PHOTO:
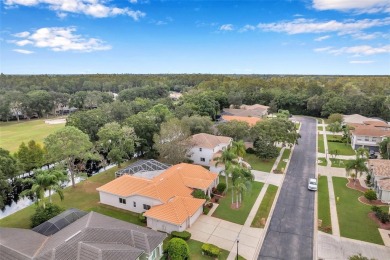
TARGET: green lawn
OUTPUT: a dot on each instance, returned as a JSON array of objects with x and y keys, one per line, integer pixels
[
  {"x": 84, "y": 196},
  {"x": 321, "y": 148},
  {"x": 285, "y": 156},
  {"x": 12, "y": 134},
  {"x": 323, "y": 205},
  {"x": 320, "y": 128},
  {"x": 258, "y": 164},
  {"x": 353, "y": 215},
  {"x": 239, "y": 216},
  {"x": 338, "y": 163},
  {"x": 342, "y": 148},
  {"x": 322, "y": 161},
  {"x": 265, "y": 206}
]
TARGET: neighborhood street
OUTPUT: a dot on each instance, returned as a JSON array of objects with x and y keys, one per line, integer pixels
[{"x": 290, "y": 233}]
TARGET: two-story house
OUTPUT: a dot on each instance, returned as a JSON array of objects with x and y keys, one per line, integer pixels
[
  {"x": 206, "y": 147},
  {"x": 369, "y": 134},
  {"x": 379, "y": 170}
]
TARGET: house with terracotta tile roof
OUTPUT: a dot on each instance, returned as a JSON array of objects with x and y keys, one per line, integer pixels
[
  {"x": 205, "y": 147},
  {"x": 250, "y": 120},
  {"x": 379, "y": 170},
  {"x": 369, "y": 134},
  {"x": 160, "y": 196}
]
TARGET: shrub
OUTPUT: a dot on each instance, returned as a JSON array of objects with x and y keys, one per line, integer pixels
[
  {"x": 382, "y": 216},
  {"x": 221, "y": 187},
  {"x": 370, "y": 195},
  {"x": 142, "y": 218},
  {"x": 359, "y": 257},
  {"x": 178, "y": 249},
  {"x": 206, "y": 210},
  {"x": 199, "y": 194},
  {"x": 42, "y": 214},
  {"x": 250, "y": 150},
  {"x": 183, "y": 235},
  {"x": 375, "y": 208},
  {"x": 368, "y": 178},
  {"x": 211, "y": 250}
]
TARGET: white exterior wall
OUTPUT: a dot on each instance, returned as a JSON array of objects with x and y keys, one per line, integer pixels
[
  {"x": 206, "y": 153},
  {"x": 365, "y": 140},
  {"x": 385, "y": 196},
  {"x": 216, "y": 169},
  {"x": 196, "y": 216},
  {"x": 113, "y": 200},
  {"x": 156, "y": 224}
]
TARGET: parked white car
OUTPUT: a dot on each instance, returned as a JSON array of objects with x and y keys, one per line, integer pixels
[{"x": 312, "y": 184}]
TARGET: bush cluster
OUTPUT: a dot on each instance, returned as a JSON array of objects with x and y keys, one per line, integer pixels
[
  {"x": 142, "y": 218},
  {"x": 183, "y": 235},
  {"x": 211, "y": 250},
  {"x": 384, "y": 217},
  {"x": 43, "y": 214},
  {"x": 370, "y": 195},
  {"x": 178, "y": 249},
  {"x": 221, "y": 187}
]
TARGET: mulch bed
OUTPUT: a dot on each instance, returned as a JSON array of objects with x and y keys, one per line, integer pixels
[
  {"x": 355, "y": 185},
  {"x": 363, "y": 200},
  {"x": 372, "y": 216}
]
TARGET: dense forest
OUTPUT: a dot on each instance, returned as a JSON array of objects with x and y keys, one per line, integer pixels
[{"x": 307, "y": 95}]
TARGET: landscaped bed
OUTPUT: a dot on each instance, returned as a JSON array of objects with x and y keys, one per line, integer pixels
[
  {"x": 239, "y": 216},
  {"x": 84, "y": 197},
  {"x": 265, "y": 207},
  {"x": 323, "y": 205},
  {"x": 259, "y": 164},
  {"x": 354, "y": 220}
]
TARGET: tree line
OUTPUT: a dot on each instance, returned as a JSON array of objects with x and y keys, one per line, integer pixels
[{"x": 307, "y": 95}]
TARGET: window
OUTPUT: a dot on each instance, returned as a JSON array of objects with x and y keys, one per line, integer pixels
[
  {"x": 202, "y": 159},
  {"x": 200, "y": 149},
  {"x": 366, "y": 138},
  {"x": 146, "y": 207},
  {"x": 122, "y": 201},
  {"x": 134, "y": 204}
]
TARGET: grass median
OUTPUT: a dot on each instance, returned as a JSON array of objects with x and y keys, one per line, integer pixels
[
  {"x": 323, "y": 205},
  {"x": 265, "y": 207}
]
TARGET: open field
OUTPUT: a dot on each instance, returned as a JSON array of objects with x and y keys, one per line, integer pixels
[
  {"x": 259, "y": 164},
  {"x": 265, "y": 206},
  {"x": 84, "y": 196},
  {"x": 12, "y": 134},
  {"x": 323, "y": 205},
  {"x": 342, "y": 148},
  {"x": 239, "y": 216},
  {"x": 353, "y": 215}
]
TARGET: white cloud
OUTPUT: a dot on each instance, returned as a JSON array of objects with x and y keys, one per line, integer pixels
[
  {"x": 302, "y": 25},
  {"x": 21, "y": 34},
  {"x": 95, "y": 8},
  {"x": 226, "y": 27},
  {"x": 356, "y": 50},
  {"x": 23, "y": 51},
  {"x": 320, "y": 39},
  {"x": 133, "y": 1},
  {"x": 61, "y": 39},
  {"x": 360, "y": 6},
  {"x": 361, "y": 61},
  {"x": 247, "y": 27}
]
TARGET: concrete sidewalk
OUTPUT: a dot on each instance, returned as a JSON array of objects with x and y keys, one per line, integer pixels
[
  {"x": 342, "y": 157},
  {"x": 333, "y": 210},
  {"x": 339, "y": 248}
]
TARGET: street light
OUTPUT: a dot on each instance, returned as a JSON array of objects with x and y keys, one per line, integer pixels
[{"x": 238, "y": 240}]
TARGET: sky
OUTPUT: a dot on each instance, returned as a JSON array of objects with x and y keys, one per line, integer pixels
[{"x": 327, "y": 37}]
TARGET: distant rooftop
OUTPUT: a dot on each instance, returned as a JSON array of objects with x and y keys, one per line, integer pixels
[{"x": 144, "y": 168}]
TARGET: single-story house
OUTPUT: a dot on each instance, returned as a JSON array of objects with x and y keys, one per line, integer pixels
[
  {"x": 379, "y": 169},
  {"x": 163, "y": 192},
  {"x": 93, "y": 236},
  {"x": 256, "y": 110},
  {"x": 250, "y": 120},
  {"x": 205, "y": 146},
  {"x": 369, "y": 134},
  {"x": 358, "y": 119}
]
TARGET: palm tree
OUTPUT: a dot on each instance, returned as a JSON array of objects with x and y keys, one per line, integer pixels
[
  {"x": 238, "y": 148},
  {"x": 356, "y": 167},
  {"x": 242, "y": 179},
  {"x": 362, "y": 152},
  {"x": 45, "y": 181},
  {"x": 228, "y": 158}
]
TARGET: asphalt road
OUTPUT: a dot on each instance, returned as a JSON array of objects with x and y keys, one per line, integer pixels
[{"x": 290, "y": 233}]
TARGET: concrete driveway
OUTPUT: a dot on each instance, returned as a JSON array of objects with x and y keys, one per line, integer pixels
[
  {"x": 224, "y": 235},
  {"x": 266, "y": 177}
]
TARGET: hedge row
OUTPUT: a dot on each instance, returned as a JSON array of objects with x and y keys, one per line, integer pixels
[
  {"x": 211, "y": 250},
  {"x": 183, "y": 235}
]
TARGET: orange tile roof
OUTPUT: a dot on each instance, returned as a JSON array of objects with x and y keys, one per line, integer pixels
[
  {"x": 369, "y": 130},
  {"x": 176, "y": 210},
  {"x": 379, "y": 167},
  {"x": 175, "y": 181},
  {"x": 209, "y": 141},
  {"x": 377, "y": 123},
  {"x": 250, "y": 120}
]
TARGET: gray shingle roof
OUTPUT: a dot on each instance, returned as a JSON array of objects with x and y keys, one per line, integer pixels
[{"x": 106, "y": 233}]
